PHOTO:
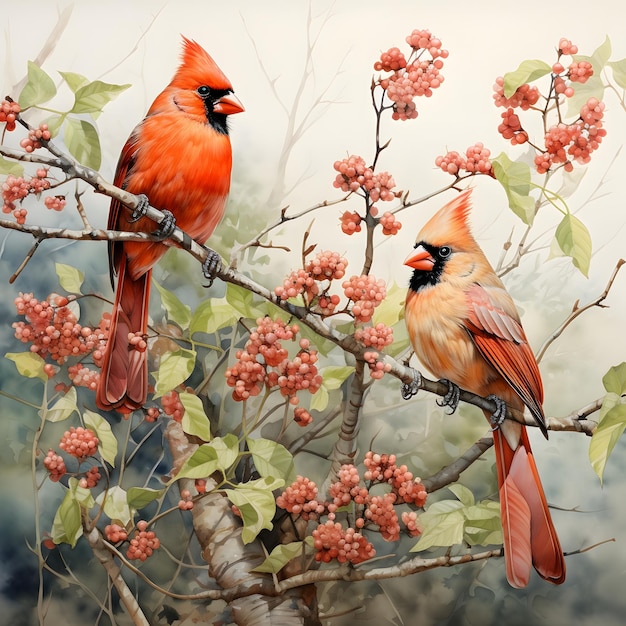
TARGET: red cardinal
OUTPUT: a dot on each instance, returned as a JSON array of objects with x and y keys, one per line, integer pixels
[
  {"x": 464, "y": 328},
  {"x": 180, "y": 157}
]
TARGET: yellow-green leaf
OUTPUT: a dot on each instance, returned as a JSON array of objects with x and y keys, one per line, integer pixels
[
  {"x": 619, "y": 72},
  {"x": 74, "y": 81},
  {"x": 465, "y": 496},
  {"x": 63, "y": 407},
  {"x": 201, "y": 464},
  {"x": 177, "y": 312},
  {"x": 81, "y": 139},
  {"x": 615, "y": 379},
  {"x": 608, "y": 432},
  {"x": 70, "y": 278},
  {"x": 391, "y": 308},
  {"x": 195, "y": 421},
  {"x": 280, "y": 556},
  {"x": 514, "y": 176},
  {"x": 526, "y": 72},
  {"x": 272, "y": 459},
  {"x": 92, "y": 97},
  {"x": 108, "y": 443},
  {"x": 575, "y": 241},
  {"x": 38, "y": 89},
  {"x": 67, "y": 526},
  {"x": 138, "y": 497},
  {"x": 174, "y": 369},
  {"x": 115, "y": 504},
  {"x": 211, "y": 315},
  {"x": 28, "y": 364},
  {"x": 256, "y": 504},
  {"x": 10, "y": 167}
]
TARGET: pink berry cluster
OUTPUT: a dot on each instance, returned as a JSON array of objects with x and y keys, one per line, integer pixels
[
  {"x": 354, "y": 175},
  {"x": 264, "y": 361},
  {"x": 301, "y": 499},
  {"x": 565, "y": 143},
  {"x": 16, "y": 188},
  {"x": 79, "y": 442},
  {"x": 416, "y": 76},
  {"x": 185, "y": 503},
  {"x": 474, "y": 161},
  {"x": 8, "y": 114},
  {"x": 115, "y": 533},
  {"x": 377, "y": 367},
  {"x": 383, "y": 468},
  {"x": 172, "y": 405},
  {"x": 390, "y": 224},
  {"x": 35, "y": 137},
  {"x": 314, "y": 281},
  {"x": 53, "y": 331},
  {"x": 55, "y": 465},
  {"x": 332, "y": 541},
  {"x": 378, "y": 336},
  {"x": 366, "y": 293},
  {"x": 91, "y": 478},
  {"x": 143, "y": 544}
]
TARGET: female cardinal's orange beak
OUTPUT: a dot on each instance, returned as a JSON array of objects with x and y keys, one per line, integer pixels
[
  {"x": 228, "y": 105},
  {"x": 421, "y": 260}
]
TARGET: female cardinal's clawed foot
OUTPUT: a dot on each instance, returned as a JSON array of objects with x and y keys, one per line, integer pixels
[
  {"x": 408, "y": 390},
  {"x": 211, "y": 265},
  {"x": 451, "y": 398},
  {"x": 497, "y": 417}
]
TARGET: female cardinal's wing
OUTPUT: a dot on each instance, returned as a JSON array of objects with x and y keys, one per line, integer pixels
[{"x": 493, "y": 324}]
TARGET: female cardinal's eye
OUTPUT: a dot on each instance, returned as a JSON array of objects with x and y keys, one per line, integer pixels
[
  {"x": 203, "y": 90},
  {"x": 445, "y": 252}
]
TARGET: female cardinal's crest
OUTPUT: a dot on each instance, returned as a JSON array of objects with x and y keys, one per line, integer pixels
[
  {"x": 198, "y": 66},
  {"x": 450, "y": 224}
]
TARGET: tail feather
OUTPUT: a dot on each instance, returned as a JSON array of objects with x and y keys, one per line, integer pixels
[
  {"x": 527, "y": 528},
  {"x": 124, "y": 376}
]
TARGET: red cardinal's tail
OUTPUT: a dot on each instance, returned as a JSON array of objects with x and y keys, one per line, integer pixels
[
  {"x": 124, "y": 378},
  {"x": 527, "y": 528}
]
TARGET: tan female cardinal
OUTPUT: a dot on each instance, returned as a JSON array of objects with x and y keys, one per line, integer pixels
[
  {"x": 464, "y": 328},
  {"x": 180, "y": 157}
]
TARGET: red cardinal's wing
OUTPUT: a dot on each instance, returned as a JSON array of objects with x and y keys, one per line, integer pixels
[{"x": 496, "y": 331}]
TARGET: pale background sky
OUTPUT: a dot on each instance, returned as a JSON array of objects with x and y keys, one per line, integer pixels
[{"x": 139, "y": 42}]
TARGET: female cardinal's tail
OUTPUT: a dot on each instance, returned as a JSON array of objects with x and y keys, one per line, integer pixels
[
  {"x": 529, "y": 535},
  {"x": 124, "y": 378}
]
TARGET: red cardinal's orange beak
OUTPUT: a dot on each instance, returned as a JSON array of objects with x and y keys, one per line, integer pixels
[
  {"x": 228, "y": 105},
  {"x": 421, "y": 259}
]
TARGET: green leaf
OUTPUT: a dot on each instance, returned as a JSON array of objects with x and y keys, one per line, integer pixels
[
  {"x": 465, "y": 496},
  {"x": 272, "y": 459},
  {"x": 256, "y": 504},
  {"x": 12, "y": 168},
  {"x": 280, "y": 556},
  {"x": 81, "y": 139},
  {"x": 526, "y": 72},
  {"x": 115, "y": 504},
  {"x": 599, "y": 58},
  {"x": 28, "y": 364},
  {"x": 74, "y": 81},
  {"x": 391, "y": 309},
  {"x": 54, "y": 123},
  {"x": 608, "y": 432},
  {"x": 174, "y": 369},
  {"x": 575, "y": 241},
  {"x": 211, "y": 315},
  {"x": 242, "y": 301},
  {"x": 619, "y": 72},
  {"x": 227, "y": 448},
  {"x": 593, "y": 88},
  {"x": 483, "y": 525},
  {"x": 67, "y": 526},
  {"x": 615, "y": 379},
  {"x": 70, "y": 278},
  {"x": 102, "y": 428},
  {"x": 177, "y": 312},
  {"x": 38, "y": 89},
  {"x": 319, "y": 400},
  {"x": 202, "y": 463},
  {"x": 441, "y": 529},
  {"x": 92, "y": 97},
  {"x": 138, "y": 497},
  {"x": 63, "y": 407},
  {"x": 514, "y": 176},
  {"x": 195, "y": 421},
  {"x": 332, "y": 378}
]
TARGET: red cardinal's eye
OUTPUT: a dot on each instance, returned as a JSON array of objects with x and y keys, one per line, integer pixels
[{"x": 203, "y": 90}]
